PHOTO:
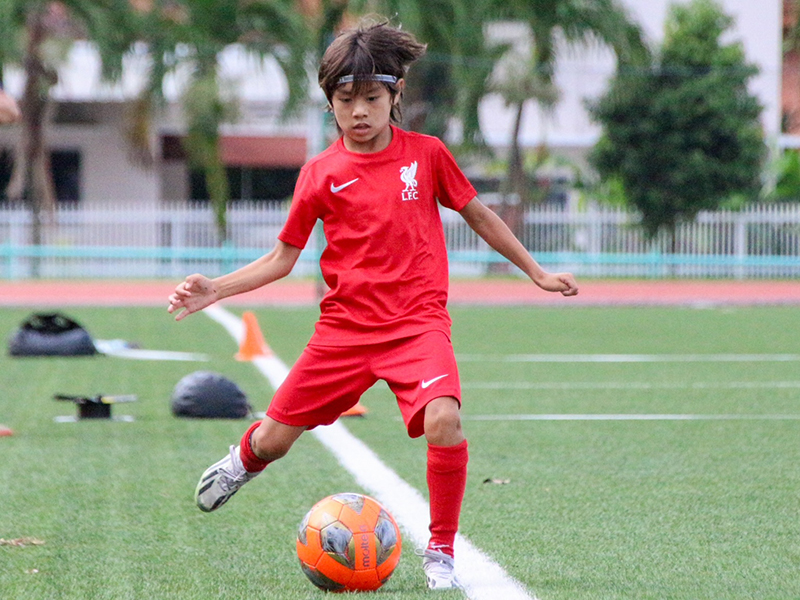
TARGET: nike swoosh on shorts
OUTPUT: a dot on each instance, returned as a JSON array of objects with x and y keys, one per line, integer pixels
[{"x": 426, "y": 384}]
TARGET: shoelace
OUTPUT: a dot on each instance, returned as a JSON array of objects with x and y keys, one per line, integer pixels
[
  {"x": 235, "y": 474},
  {"x": 438, "y": 565},
  {"x": 435, "y": 548}
]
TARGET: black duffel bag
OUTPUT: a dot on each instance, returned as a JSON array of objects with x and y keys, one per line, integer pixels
[
  {"x": 51, "y": 334},
  {"x": 208, "y": 395}
]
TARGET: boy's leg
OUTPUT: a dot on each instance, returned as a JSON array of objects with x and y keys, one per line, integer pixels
[
  {"x": 268, "y": 442},
  {"x": 263, "y": 443},
  {"x": 423, "y": 374},
  {"x": 447, "y": 470},
  {"x": 322, "y": 384},
  {"x": 448, "y": 456}
]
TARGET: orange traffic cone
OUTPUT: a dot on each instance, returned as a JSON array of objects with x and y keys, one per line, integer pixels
[
  {"x": 253, "y": 344},
  {"x": 359, "y": 410}
]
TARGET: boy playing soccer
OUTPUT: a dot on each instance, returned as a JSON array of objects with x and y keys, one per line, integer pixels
[{"x": 376, "y": 190}]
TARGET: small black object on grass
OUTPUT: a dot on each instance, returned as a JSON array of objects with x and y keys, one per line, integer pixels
[{"x": 94, "y": 407}]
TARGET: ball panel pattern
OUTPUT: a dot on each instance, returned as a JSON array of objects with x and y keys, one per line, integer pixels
[{"x": 348, "y": 542}]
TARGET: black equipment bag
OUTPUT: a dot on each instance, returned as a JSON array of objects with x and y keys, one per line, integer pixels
[
  {"x": 51, "y": 334},
  {"x": 208, "y": 395}
]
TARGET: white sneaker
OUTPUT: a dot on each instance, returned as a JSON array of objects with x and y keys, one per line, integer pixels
[
  {"x": 440, "y": 571},
  {"x": 221, "y": 481}
]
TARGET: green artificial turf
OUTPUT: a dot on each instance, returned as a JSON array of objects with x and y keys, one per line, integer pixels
[{"x": 585, "y": 509}]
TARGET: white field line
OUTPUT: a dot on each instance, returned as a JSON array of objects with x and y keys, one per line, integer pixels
[
  {"x": 137, "y": 354},
  {"x": 120, "y": 349},
  {"x": 483, "y": 578},
  {"x": 627, "y": 358},
  {"x": 630, "y": 417},
  {"x": 629, "y": 385}
]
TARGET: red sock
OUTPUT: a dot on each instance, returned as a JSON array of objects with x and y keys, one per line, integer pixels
[
  {"x": 251, "y": 463},
  {"x": 447, "y": 480}
]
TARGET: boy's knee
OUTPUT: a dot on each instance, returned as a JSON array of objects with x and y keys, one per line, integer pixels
[{"x": 443, "y": 422}]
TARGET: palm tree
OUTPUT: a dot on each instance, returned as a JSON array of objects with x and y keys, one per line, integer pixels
[
  {"x": 327, "y": 20},
  {"x": 194, "y": 32},
  {"x": 522, "y": 81},
  {"x": 29, "y": 29},
  {"x": 456, "y": 73},
  {"x": 453, "y": 76},
  {"x": 550, "y": 23}
]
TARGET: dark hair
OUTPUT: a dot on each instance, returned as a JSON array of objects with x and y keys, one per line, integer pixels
[{"x": 372, "y": 48}]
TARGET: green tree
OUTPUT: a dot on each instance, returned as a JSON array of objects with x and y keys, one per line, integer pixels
[
  {"x": 785, "y": 178},
  {"x": 555, "y": 25},
  {"x": 522, "y": 82},
  {"x": 37, "y": 35},
  {"x": 457, "y": 72},
  {"x": 453, "y": 76},
  {"x": 193, "y": 33},
  {"x": 684, "y": 135}
]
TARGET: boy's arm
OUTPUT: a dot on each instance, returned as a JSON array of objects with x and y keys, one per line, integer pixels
[
  {"x": 496, "y": 233},
  {"x": 9, "y": 111},
  {"x": 197, "y": 291}
]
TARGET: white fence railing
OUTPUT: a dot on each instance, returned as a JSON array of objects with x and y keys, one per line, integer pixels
[{"x": 762, "y": 241}]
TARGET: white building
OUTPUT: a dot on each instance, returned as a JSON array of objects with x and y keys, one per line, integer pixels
[
  {"x": 91, "y": 157},
  {"x": 583, "y": 73}
]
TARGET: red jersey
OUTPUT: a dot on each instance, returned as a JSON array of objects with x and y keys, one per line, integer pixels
[{"x": 386, "y": 260}]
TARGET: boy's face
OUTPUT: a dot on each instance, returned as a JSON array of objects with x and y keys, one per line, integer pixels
[{"x": 364, "y": 118}]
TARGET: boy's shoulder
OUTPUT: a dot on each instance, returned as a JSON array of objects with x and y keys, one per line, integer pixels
[{"x": 418, "y": 138}]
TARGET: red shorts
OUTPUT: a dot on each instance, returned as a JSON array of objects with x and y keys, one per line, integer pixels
[{"x": 326, "y": 380}]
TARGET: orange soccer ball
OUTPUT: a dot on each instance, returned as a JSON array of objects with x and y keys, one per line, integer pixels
[{"x": 348, "y": 542}]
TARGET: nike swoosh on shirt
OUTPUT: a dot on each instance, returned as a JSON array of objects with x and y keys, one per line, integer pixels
[
  {"x": 338, "y": 188},
  {"x": 425, "y": 384}
]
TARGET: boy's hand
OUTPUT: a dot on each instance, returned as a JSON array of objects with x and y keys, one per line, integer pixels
[
  {"x": 195, "y": 293},
  {"x": 559, "y": 282}
]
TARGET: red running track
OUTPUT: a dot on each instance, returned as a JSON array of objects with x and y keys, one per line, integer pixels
[{"x": 488, "y": 291}]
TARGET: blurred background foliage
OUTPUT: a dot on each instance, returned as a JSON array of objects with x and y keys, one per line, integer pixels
[{"x": 465, "y": 62}]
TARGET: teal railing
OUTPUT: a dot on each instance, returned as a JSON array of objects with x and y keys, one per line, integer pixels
[{"x": 20, "y": 262}]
